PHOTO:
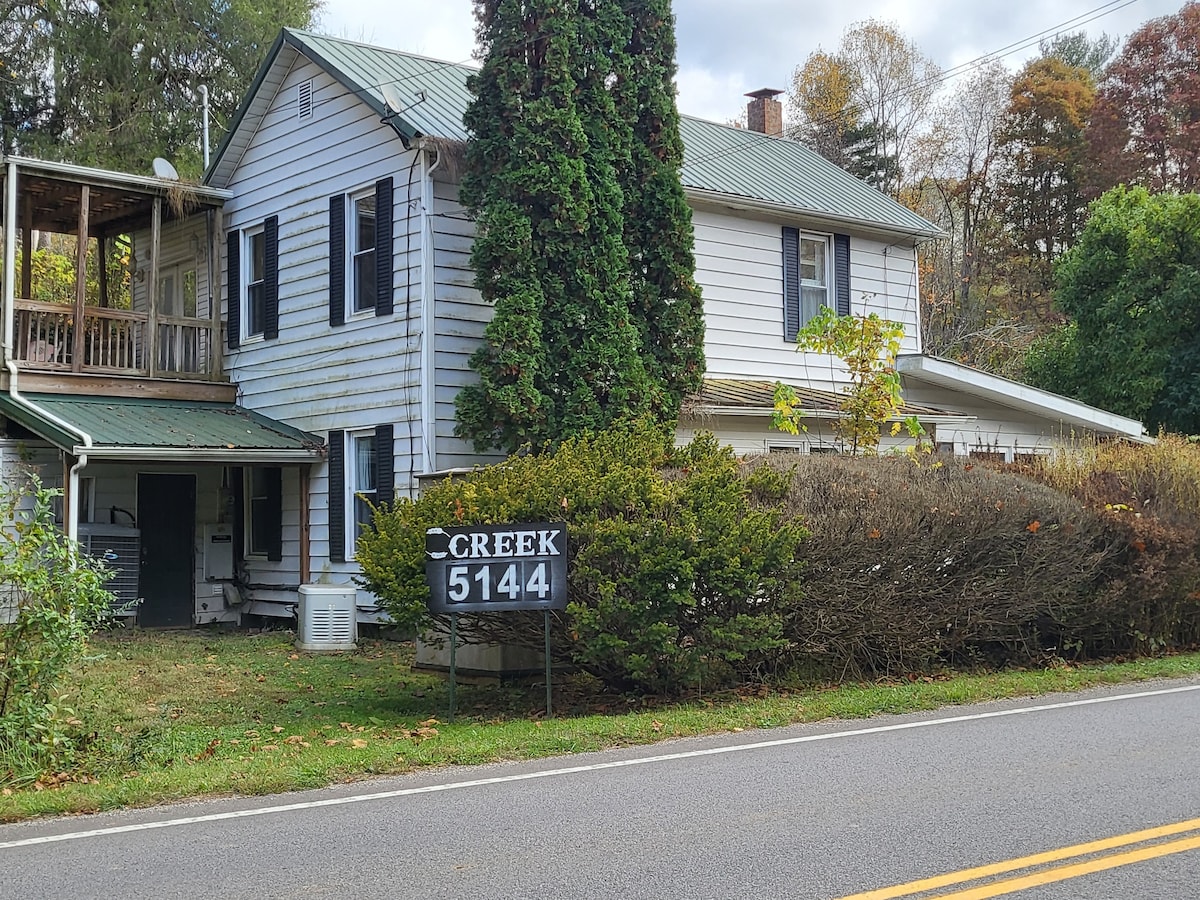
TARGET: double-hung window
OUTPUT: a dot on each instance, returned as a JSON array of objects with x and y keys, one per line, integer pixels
[
  {"x": 360, "y": 252},
  {"x": 364, "y": 481},
  {"x": 256, "y": 282},
  {"x": 816, "y": 273},
  {"x": 252, "y": 279},
  {"x": 814, "y": 276},
  {"x": 361, "y": 476}
]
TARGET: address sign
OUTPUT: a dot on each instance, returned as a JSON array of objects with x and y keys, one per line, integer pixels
[{"x": 492, "y": 568}]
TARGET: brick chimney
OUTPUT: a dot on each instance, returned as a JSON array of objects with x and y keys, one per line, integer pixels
[{"x": 765, "y": 113}]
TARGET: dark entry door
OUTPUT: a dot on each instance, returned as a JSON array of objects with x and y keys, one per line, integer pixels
[{"x": 166, "y": 513}]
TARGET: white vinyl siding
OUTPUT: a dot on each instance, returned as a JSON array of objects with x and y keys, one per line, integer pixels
[
  {"x": 315, "y": 377},
  {"x": 739, "y": 266}
]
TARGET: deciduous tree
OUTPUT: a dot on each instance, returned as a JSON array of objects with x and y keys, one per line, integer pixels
[
  {"x": 1044, "y": 161},
  {"x": 1131, "y": 286},
  {"x": 1145, "y": 129}
]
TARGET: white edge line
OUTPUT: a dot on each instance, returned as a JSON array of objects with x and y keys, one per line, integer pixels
[{"x": 572, "y": 770}]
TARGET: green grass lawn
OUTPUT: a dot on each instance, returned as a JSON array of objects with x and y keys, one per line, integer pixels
[{"x": 174, "y": 715}]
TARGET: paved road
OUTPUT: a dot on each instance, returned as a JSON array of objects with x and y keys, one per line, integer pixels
[{"x": 809, "y": 812}]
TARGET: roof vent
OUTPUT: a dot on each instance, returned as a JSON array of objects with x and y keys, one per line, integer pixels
[{"x": 304, "y": 100}]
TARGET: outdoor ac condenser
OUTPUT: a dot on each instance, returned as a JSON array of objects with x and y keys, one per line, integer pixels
[
  {"x": 119, "y": 548},
  {"x": 328, "y": 617}
]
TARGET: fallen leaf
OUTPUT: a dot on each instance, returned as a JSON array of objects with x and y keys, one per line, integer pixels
[
  {"x": 358, "y": 743},
  {"x": 873, "y": 534},
  {"x": 657, "y": 726},
  {"x": 277, "y": 728},
  {"x": 1033, "y": 526}
]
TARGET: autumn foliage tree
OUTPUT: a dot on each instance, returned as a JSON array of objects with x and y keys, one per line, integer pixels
[
  {"x": 1044, "y": 159},
  {"x": 1144, "y": 128}
]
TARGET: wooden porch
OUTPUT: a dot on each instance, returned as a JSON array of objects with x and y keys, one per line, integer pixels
[{"x": 131, "y": 313}]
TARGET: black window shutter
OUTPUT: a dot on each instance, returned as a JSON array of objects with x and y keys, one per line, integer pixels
[
  {"x": 337, "y": 496},
  {"x": 271, "y": 278},
  {"x": 385, "y": 466},
  {"x": 791, "y": 283},
  {"x": 383, "y": 246},
  {"x": 337, "y": 259},
  {"x": 274, "y": 511},
  {"x": 841, "y": 272},
  {"x": 237, "y": 487},
  {"x": 233, "y": 289}
]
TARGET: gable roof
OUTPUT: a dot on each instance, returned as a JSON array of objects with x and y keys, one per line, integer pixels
[{"x": 721, "y": 163}]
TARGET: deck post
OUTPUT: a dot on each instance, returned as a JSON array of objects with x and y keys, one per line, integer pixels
[
  {"x": 150, "y": 339},
  {"x": 81, "y": 248}
]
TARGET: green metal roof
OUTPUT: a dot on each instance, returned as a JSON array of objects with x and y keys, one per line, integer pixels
[
  {"x": 720, "y": 161},
  {"x": 150, "y": 429},
  {"x": 736, "y": 396}
]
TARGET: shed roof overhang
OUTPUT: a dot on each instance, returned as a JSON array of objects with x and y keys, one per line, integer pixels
[
  {"x": 737, "y": 397},
  {"x": 1018, "y": 396},
  {"x": 137, "y": 429},
  {"x": 49, "y": 196}
]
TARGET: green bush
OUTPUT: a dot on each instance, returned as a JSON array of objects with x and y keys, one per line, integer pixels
[
  {"x": 54, "y": 598},
  {"x": 681, "y": 570}
]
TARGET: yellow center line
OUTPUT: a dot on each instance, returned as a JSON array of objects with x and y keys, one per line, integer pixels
[
  {"x": 1062, "y": 873},
  {"x": 1024, "y": 862}
]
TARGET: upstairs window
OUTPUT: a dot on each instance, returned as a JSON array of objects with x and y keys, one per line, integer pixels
[
  {"x": 814, "y": 276},
  {"x": 252, "y": 279},
  {"x": 256, "y": 282},
  {"x": 816, "y": 273},
  {"x": 362, "y": 254}
]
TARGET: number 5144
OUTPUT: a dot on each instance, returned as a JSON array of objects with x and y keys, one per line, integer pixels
[{"x": 489, "y": 582}]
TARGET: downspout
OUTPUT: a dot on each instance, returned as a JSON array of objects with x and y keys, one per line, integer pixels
[
  {"x": 9, "y": 313},
  {"x": 428, "y": 313}
]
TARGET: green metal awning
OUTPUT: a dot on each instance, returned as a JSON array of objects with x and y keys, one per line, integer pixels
[{"x": 160, "y": 430}]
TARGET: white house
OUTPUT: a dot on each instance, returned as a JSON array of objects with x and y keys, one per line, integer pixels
[{"x": 349, "y": 310}]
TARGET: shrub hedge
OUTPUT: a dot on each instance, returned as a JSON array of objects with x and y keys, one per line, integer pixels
[
  {"x": 690, "y": 569},
  {"x": 682, "y": 571}
]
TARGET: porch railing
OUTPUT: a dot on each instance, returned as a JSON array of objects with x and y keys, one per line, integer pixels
[{"x": 114, "y": 341}]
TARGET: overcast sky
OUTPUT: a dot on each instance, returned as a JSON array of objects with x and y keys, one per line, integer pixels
[{"x": 729, "y": 47}]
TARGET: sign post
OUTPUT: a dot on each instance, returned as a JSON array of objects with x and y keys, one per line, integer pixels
[{"x": 496, "y": 568}]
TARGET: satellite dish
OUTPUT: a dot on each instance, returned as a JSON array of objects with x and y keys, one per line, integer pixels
[
  {"x": 163, "y": 169},
  {"x": 391, "y": 96}
]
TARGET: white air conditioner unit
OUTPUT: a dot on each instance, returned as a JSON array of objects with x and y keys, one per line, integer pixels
[
  {"x": 119, "y": 548},
  {"x": 328, "y": 617}
]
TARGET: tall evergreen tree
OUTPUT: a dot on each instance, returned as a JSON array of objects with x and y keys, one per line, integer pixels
[
  {"x": 667, "y": 305},
  {"x": 560, "y": 355}
]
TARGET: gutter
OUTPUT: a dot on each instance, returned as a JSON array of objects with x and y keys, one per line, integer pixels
[
  {"x": 428, "y": 312},
  {"x": 9, "y": 314},
  {"x": 204, "y": 454}
]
